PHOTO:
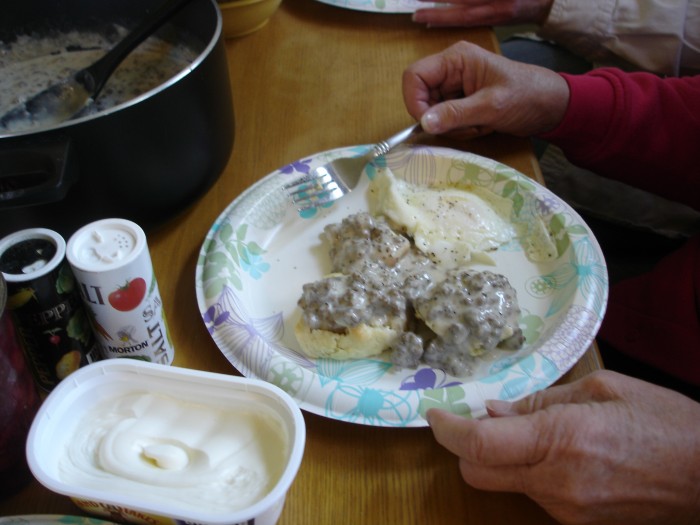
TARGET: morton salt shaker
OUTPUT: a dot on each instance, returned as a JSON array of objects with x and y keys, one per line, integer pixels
[
  {"x": 43, "y": 299},
  {"x": 111, "y": 262},
  {"x": 19, "y": 401}
]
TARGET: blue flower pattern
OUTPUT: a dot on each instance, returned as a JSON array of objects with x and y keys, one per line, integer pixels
[{"x": 517, "y": 377}]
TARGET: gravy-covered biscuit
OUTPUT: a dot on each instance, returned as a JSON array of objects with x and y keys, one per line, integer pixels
[{"x": 389, "y": 296}]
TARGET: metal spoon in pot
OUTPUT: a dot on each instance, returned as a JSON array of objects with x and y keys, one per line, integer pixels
[{"x": 62, "y": 100}]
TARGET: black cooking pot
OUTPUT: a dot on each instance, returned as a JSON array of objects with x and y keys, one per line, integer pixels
[{"x": 144, "y": 160}]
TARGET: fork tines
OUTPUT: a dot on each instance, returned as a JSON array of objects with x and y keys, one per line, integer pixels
[{"x": 314, "y": 189}]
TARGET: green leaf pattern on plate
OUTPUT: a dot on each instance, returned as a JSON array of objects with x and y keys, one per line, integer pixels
[
  {"x": 232, "y": 256},
  {"x": 451, "y": 399}
]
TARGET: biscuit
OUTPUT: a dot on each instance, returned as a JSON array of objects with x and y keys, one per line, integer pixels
[{"x": 356, "y": 342}]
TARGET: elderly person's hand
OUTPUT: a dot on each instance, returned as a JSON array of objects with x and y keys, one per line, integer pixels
[
  {"x": 608, "y": 449},
  {"x": 467, "y": 90},
  {"x": 472, "y": 13}
]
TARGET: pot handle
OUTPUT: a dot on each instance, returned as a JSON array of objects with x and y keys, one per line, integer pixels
[{"x": 34, "y": 172}]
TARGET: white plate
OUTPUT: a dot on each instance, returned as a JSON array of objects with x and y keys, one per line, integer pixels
[
  {"x": 52, "y": 519},
  {"x": 379, "y": 6},
  {"x": 260, "y": 251}
]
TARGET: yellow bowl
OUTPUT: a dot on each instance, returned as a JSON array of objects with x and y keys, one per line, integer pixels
[{"x": 241, "y": 17}]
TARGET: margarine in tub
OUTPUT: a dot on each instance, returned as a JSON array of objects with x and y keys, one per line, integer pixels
[{"x": 152, "y": 444}]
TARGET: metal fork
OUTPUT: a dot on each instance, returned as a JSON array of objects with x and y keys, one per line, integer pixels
[{"x": 339, "y": 177}]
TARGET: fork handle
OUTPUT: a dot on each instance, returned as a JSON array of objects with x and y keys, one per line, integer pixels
[{"x": 383, "y": 147}]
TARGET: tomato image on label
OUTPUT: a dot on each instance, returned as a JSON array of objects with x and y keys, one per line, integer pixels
[{"x": 129, "y": 296}]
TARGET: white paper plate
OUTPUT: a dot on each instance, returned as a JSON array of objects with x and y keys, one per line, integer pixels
[
  {"x": 378, "y": 6},
  {"x": 52, "y": 519},
  {"x": 260, "y": 251}
]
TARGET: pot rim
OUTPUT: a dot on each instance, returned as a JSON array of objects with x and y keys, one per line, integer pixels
[{"x": 143, "y": 96}]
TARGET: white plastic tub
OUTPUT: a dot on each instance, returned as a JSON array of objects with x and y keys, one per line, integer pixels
[{"x": 65, "y": 417}]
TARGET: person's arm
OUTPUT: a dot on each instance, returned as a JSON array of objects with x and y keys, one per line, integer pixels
[
  {"x": 661, "y": 36},
  {"x": 636, "y": 128}
]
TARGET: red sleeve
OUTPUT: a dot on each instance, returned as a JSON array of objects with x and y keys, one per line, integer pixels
[
  {"x": 645, "y": 131},
  {"x": 637, "y": 128},
  {"x": 655, "y": 317}
]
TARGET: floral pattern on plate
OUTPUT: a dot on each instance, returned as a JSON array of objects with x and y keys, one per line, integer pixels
[{"x": 261, "y": 250}]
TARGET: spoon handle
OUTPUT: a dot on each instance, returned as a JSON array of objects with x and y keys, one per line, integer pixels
[{"x": 95, "y": 76}]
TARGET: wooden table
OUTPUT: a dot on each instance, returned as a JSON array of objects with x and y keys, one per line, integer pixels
[{"x": 319, "y": 77}]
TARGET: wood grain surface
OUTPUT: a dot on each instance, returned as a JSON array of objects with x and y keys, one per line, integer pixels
[{"x": 318, "y": 77}]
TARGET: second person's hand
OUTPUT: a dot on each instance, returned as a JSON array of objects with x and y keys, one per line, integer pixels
[{"x": 473, "y": 13}]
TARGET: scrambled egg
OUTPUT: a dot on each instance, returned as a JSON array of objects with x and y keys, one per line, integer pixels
[{"x": 452, "y": 226}]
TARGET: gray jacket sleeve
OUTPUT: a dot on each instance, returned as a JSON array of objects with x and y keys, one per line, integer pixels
[{"x": 662, "y": 36}]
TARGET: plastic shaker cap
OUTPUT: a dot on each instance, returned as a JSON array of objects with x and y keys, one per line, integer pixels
[{"x": 106, "y": 244}]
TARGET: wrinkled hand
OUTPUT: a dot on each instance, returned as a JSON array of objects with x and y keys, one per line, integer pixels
[
  {"x": 466, "y": 90},
  {"x": 608, "y": 449},
  {"x": 473, "y": 13}
]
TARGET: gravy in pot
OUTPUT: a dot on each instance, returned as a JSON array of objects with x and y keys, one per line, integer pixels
[{"x": 31, "y": 64}]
